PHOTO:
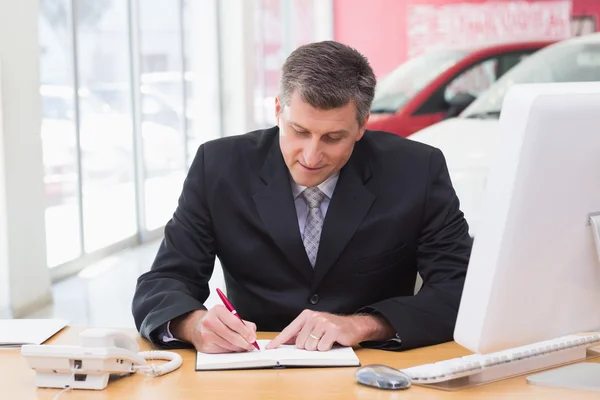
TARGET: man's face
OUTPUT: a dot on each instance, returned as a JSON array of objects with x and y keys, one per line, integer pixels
[{"x": 316, "y": 143}]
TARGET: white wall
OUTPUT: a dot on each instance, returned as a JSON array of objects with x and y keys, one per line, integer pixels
[{"x": 22, "y": 241}]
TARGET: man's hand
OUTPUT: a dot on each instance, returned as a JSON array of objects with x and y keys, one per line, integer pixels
[
  {"x": 215, "y": 331},
  {"x": 313, "y": 330}
]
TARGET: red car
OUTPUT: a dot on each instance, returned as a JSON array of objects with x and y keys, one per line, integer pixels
[{"x": 440, "y": 84}]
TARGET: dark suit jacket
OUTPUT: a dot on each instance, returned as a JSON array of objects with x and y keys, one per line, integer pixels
[{"x": 393, "y": 213}]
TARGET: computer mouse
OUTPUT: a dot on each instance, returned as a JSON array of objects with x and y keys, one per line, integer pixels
[{"x": 382, "y": 377}]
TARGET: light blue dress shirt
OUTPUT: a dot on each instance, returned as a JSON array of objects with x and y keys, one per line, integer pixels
[{"x": 326, "y": 187}]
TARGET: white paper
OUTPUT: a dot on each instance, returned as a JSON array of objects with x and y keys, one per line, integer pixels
[
  {"x": 284, "y": 355},
  {"x": 17, "y": 332}
]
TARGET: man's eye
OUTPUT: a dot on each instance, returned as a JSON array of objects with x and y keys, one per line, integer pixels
[
  {"x": 301, "y": 133},
  {"x": 333, "y": 139}
]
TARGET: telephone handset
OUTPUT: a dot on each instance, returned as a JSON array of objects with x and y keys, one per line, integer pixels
[{"x": 102, "y": 352}]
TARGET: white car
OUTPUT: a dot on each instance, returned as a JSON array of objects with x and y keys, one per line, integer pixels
[{"x": 468, "y": 141}]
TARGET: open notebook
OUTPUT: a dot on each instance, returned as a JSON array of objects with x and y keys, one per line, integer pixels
[
  {"x": 16, "y": 332},
  {"x": 284, "y": 356}
]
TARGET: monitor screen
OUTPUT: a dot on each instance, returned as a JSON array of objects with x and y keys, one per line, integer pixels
[{"x": 534, "y": 272}]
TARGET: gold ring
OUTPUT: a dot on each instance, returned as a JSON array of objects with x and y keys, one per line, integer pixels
[{"x": 314, "y": 337}]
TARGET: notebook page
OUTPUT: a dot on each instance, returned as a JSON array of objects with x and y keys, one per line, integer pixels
[
  {"x": 338, "y": 355},
  {"x": 250, "y": 359},
  {"x": 285, "y": 354},
  {"x": 17, "y": 332}
]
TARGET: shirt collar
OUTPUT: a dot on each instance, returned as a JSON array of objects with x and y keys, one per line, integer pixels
[{"x": 327, "y": 187}]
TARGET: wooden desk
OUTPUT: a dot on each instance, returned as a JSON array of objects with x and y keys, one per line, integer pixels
[{"x": 17, "y": 380}]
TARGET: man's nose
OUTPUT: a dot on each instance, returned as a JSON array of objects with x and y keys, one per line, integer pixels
[{"x": 312, "y": 153}]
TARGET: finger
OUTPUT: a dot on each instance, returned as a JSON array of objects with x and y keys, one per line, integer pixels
[
  {"x": 315, "y": 336},
  {"x": 235, "y": 324},
  {"x": 213, "y": 323},
  {"x": 288, "y": 333},
  {"x": 291, "y": 341},
  {"x": 327, "y": 340},
  {"x": 222, "y": 343},
  {"x": 233, "y": 337},
  {"x": 313, "y": 340},
  {"x": 304, "y": 338},
  {"x": 234, "y": 330},
  {"x": 213, "y": 343},
  {"x": 250, "y": 325}
]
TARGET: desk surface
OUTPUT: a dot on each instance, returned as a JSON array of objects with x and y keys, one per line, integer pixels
[{"x": 17, "y": 380}]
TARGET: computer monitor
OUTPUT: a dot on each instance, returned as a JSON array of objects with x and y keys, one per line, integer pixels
[{"x": 534, "y": 272}]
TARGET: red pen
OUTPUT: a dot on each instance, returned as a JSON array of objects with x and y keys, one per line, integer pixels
[{"x": 232, "y": 310}]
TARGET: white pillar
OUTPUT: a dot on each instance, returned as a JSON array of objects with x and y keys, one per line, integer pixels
[
  {"x": 204, "y": 63},
  {"x": 237, "y": 55},
  {"x": 323, "y": 19},
  {"x": 4, "y": 275},
  {"x": 24, "y": 276}
]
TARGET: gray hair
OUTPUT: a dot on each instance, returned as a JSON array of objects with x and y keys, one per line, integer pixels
[{"x": 328, "y": 75}]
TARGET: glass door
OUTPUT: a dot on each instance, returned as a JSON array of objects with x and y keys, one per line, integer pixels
[
  {"x": 59, "y": 133},
  {"x": 162, "y": 106},
  {"x": 105, "y": 122}
]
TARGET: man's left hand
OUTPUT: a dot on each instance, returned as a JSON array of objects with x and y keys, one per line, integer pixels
[{"x": 313, "y": 330}]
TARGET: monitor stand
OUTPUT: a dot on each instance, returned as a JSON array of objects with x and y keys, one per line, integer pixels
[
  {"x": 580, "y": 376},
  {"x": 566, "y": 377}
]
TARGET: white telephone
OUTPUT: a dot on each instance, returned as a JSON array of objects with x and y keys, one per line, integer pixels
[{"x": 102, "y": 352}]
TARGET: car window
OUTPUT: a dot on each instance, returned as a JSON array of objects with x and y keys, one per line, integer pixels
[
  {"x": 480, "y": 77},
  {"x": 400, "y": 86},
  {"x": 566, "y": 62},
  {"x": 474, "y": 80},
  {"x": 509, "y": 60}
]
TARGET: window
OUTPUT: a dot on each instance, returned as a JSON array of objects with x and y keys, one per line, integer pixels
[
  {"x": 202, "y": 96},
  {"x": 162, "y": 93},
  {"x": 154, "y": 62},
  {"x": 583, "y": 25},
  {"x": 577, "y": 61},
  {"x": 106, "y": 123},
  {"x": 58, "y": 131},
  {"x": 397, "y": 88},
  {"x": 474, "y": 80},
  {"x": 507, "y": 61},
  {"x": 269, "y": 36},
  {"x": 129, "y": 91}
]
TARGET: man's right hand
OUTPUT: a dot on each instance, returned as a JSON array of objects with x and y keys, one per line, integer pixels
[{"x": 215, "y": 331}]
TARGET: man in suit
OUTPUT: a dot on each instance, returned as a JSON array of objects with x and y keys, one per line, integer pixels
[{"x": 321, "y": 227}]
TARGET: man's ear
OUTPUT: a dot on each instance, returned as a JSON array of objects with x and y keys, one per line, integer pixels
[
  {"x": 362, "y": 129},
  {"x": 277, "y": 109}
]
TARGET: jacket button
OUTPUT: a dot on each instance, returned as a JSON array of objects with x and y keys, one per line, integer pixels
[{"x": 314, "y": 299}]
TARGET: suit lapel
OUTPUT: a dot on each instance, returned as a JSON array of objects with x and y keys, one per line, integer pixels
[
  {"x": 275, "y": 204},
  {"x": 349, "y": 205}
]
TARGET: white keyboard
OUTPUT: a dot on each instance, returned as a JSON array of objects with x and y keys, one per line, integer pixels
[{"x": 506, "y": 363}]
